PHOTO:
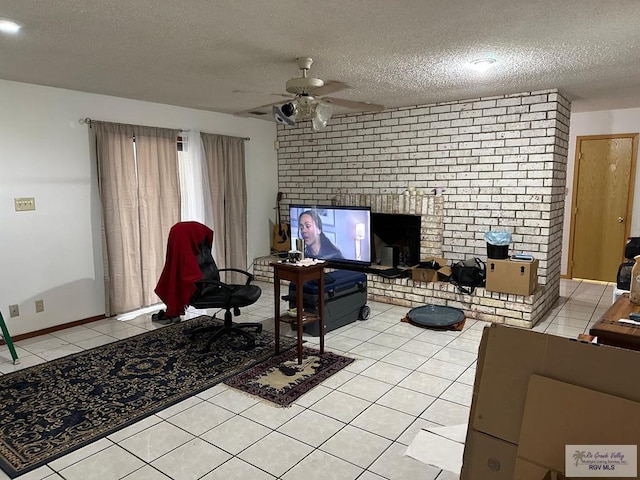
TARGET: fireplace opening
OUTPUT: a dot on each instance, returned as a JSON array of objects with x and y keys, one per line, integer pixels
[{"x": 395, "y": 239}]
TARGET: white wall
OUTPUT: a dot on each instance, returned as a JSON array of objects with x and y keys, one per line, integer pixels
[
  {"x": 598, "y": 123},
  {"x": 54, "y": 253}
]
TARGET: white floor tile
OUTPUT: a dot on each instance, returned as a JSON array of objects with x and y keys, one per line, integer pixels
[
  {"x": 356, "y": 446},
  {"x": 237, "y": 469},
  {"x": 425, "y": 383},
  {"x": 233, "y": 400},
  {"x": 340, "y": 406},
  {"x": 444, "y": 412},
  {"x": 322, "y": 466},
  {"x": 383, "y": 421},
  {"x": 109, "y": 464},
  {"x": 366, "y": 388},
  {"x": 410, "y": 433},
  {"x": 386, "y": 372},
  {"x": 191, "y": 460},
  {"x": 156, "y": 441},
  {"x": 405, "y": 359},
  {"x": 270, "y": 415},
  {"x": 441, "y": 368},
  {"x": 406, "y": 400},
  {"x": 200, "y": 418},
  {"x": 236, "y": 434},
  {"x": 145, "y": 473},
  {"x": 458, "y": 393},
  {"x": 457, "y": 357},
  {"x": 395, "y": 465},
  {"x": 276, "y": 453},
  {"x": 311, "y": 427}
]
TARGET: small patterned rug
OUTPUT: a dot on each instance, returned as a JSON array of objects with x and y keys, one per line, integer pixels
[
  {"x": 50, "y": 410},
  {"x": 282, "y": 381}
]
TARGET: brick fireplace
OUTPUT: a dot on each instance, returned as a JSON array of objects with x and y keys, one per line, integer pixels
[{"x": 500, "y": 161}]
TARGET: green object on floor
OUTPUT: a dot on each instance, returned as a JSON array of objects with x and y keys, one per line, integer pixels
[{"x": 7, "y": 339}]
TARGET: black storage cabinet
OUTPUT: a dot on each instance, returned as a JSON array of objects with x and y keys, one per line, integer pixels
[{"x": 345, "y": 300}]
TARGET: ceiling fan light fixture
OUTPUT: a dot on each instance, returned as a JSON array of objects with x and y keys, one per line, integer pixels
[
  {"x": 9, "y": 26},
  {"x": 482, "y": 64},
  {"x": 322, "y": 114}
]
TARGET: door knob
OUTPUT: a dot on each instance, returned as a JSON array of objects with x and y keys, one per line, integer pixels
[{"x": 620, "y": 219}]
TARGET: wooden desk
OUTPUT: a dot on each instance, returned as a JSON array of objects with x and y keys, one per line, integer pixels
[
  {"x": 298, "y": 275},
  {"x": 610, "y": 332}
]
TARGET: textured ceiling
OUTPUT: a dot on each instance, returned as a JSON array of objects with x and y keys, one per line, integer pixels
[{"x": 233, "y": 55}]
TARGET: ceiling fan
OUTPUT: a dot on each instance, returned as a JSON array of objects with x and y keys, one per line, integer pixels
[{"x": 308, "y": 100}]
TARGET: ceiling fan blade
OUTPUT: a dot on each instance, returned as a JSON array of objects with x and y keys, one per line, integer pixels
[
  {"x": 260, "y": 111},
  {"x": 330, "y": 86},
  {"x": 362, "y": 106}
]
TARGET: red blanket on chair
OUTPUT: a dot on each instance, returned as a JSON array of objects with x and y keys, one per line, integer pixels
[{"x": 181, "y": 269}]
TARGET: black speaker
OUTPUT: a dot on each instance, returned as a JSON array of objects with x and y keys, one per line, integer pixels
[{"x": 390, "y": 256}]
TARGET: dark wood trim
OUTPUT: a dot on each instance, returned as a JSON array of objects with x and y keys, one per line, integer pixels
[{"x": 63, "y": 326}]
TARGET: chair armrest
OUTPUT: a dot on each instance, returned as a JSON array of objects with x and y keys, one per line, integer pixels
[
  {"x": 237, "y": 270},
  {"x": 215, "y": 282},
  {"x": 225, "y": 289}
]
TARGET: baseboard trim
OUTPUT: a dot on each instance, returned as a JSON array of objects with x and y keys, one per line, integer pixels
[{"x": 62, "y": 326}]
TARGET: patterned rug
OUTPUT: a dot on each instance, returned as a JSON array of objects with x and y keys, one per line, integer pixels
[
  {"x": 49, "y": 410},
  {"x": 282, "y": 381}
]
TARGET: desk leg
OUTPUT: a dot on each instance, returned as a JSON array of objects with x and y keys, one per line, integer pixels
[
  {"x": 300, "y": 310},
  {"x": 276, "y": 320}
]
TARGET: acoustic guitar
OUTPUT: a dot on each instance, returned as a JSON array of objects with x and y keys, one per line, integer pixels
[{"x": 281, "y": 231}]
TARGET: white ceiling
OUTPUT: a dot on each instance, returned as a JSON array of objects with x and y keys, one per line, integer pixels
[{"x": 233, "y": 55}]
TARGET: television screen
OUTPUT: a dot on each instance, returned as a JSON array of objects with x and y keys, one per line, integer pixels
[{"x": 338, "y": 234}]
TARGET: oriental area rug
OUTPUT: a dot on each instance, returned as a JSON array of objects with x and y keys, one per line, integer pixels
[
  {"x": 50, "y": 410},
  {"x": 282, "y": 381}
]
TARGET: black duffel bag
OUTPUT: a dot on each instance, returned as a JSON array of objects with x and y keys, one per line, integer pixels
[
  {"x": 632, "y": 248},
  {"x": 468, "y": 274},
  {"x": 623, "y": 279}
]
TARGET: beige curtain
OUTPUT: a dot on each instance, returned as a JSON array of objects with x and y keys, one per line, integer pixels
[
  {"x": 159, "y": 201},
  {"x": 226, "y": 165},
  {"x": 140, "y": 203}
]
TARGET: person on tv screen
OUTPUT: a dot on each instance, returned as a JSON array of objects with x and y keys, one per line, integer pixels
[{"x": 316, "y": 243}]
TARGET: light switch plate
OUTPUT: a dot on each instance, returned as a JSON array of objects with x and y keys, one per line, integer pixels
[{"x": 25, "y": 204}]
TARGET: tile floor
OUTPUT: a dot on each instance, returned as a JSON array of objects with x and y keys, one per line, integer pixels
[{"x": 355, "y": 425}]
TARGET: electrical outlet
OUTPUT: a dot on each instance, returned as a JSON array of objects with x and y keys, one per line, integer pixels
[
  {"x": 39, "y": 306},
  {"x": 14, "y": 311}
]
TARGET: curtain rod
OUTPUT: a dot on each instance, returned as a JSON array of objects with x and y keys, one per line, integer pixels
[{"x": 89, "y": 121}]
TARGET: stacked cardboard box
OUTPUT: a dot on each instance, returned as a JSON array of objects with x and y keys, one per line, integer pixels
[
  {"x": 429, "y": 274},
  {"x": 536, "y": 393},
  {"x": 509, "y": 276}
]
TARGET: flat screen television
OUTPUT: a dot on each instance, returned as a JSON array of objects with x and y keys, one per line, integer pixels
[{"x": 341, "y": 235}]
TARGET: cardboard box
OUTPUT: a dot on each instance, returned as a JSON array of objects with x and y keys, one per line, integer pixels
[
  {"x": 489, "y": 458},
  {"x": 508, "y": 358},
  {"x": 515, "y": 277},
  {"x": 430, "y": 275},
  {"x": 558, "y": 414}
]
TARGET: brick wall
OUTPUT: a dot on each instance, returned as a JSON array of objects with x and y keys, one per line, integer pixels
[{"x": 501, "y": 160}]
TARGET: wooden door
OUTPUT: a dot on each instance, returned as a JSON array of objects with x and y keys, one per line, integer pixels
[{"x": 602, "y": 205}]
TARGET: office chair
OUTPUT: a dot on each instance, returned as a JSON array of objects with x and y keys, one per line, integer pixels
[{"x": 189, "y": 257}]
